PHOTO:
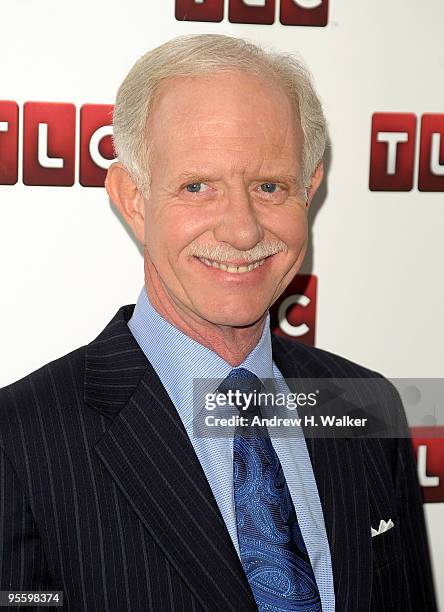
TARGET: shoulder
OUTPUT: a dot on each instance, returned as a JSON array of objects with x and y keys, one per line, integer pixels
[
  {"x": 311, "y": 362},
  {"x": 296, "y": 360},
  {"x": 60, "y": 381},
  {"x": 29, "y": 400},
  {"x": 377, "y": 399}
]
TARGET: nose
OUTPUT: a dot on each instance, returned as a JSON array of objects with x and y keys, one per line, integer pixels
[{"x": 238, "y": 224}]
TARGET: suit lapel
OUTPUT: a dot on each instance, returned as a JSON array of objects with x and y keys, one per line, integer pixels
[
  {"x": 147, "y": 452},
  {"x": 340, "y": 476}
]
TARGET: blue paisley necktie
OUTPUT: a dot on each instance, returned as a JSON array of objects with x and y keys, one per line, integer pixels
[{"x": 272, "y": 549}]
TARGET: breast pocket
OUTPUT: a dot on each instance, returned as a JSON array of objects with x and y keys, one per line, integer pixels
[
  {"x": 387, "y": 546},
  {"x": 388, "y": 571}
]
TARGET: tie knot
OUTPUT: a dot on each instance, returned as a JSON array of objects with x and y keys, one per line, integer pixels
[{"x": 239, "y": 384}]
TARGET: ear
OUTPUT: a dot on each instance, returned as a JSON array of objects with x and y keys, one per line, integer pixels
[
  {"x": 316, "y": 180},
  {"x": 125, "y": 195}
]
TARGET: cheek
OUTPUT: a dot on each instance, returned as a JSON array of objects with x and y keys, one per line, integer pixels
[
  {"x": 170, "y": 229},
  {"x": 291, "y": 227}
]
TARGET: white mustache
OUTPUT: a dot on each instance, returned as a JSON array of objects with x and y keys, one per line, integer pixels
[{"x": 224, "y": 253}]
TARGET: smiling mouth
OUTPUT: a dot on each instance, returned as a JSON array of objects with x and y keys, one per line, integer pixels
[{"x": 231, "y": 268}]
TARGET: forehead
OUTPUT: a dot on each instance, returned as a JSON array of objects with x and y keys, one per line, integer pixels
[{"x": 226, "y": 112}]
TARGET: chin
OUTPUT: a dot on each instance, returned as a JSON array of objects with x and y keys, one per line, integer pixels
[{"x": 235, "y": 315}]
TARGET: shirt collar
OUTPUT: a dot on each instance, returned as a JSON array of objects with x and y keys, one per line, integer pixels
[{"x": 178, "y": 359}]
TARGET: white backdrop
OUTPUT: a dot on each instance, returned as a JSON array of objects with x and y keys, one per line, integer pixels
[{"x": 67, "y": 262}]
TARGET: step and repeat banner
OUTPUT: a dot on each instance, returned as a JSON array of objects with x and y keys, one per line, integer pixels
[{"x": 370, "y": 288}]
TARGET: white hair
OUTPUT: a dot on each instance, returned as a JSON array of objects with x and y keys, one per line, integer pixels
[{"x": 192, "y": 55}]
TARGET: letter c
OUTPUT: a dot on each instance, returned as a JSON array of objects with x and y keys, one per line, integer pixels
[
  {"x": 98, "y": 159},
  {"x": 286, "y": 327}
]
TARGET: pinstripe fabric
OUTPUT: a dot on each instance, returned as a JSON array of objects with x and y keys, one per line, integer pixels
[{"x": 95, "y": 462}]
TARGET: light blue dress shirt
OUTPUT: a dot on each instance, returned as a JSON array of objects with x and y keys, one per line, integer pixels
[{"x": 177, "y": 360}]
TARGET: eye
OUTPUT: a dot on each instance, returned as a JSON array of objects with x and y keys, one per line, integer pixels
[
  {"x": 196, "y": 187},
  {"x": 269, "y": 187}
]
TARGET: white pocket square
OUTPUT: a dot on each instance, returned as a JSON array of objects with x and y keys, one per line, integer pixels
[{"x": 383, "y": 526}]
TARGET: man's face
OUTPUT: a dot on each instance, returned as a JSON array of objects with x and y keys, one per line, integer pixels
[{"x": 225, "y": 190}]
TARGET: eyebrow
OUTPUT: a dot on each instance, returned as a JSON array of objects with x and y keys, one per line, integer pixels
[
  {"x": 185, "y": 176},
  {"x": 204, "y": 176}
]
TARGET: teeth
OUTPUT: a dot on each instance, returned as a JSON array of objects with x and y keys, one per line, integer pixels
[{"x": 233, "y": 269}]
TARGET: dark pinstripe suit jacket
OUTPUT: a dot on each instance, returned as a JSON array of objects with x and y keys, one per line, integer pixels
[{"x": 102, "y": 495}]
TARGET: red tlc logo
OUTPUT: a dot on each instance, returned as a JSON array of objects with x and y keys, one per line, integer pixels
[
  {"x": 292, "y": 12},
  {"x": 49, "y": 143},
  {"x": 392, "y": 157},
  {"x": 294, "y": 313}
]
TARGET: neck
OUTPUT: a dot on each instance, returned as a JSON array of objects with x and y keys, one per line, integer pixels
[{"x": 233, "y": 344}]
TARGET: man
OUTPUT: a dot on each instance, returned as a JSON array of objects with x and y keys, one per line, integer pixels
[{"x": 107, "y": 493}]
